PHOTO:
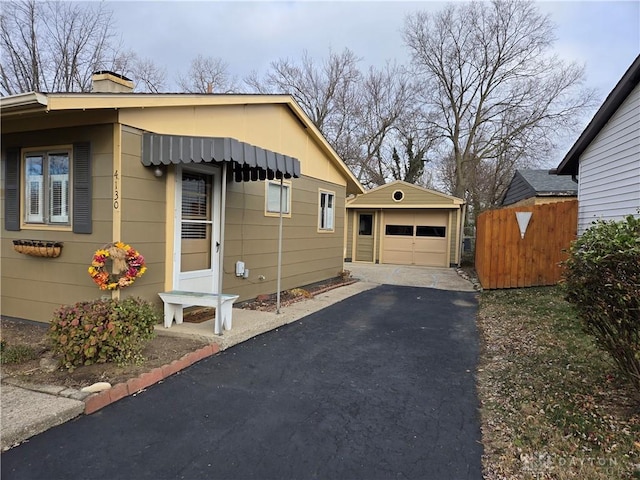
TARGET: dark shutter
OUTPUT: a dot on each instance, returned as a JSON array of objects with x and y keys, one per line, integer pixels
[
  {"x": 12, "y": 190},
  {"x": 82, "y": 219}
]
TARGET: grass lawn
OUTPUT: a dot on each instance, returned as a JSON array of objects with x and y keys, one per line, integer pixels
[{"x": 553, "y": 405}]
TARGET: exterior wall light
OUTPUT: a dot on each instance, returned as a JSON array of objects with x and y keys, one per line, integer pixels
[{"x": 158, "y": 171}]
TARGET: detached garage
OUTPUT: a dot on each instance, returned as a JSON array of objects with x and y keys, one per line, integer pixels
[{"x": 404, "y": 224}]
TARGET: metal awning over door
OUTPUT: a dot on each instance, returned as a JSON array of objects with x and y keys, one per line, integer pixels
[{"x": 248, "y": 162}]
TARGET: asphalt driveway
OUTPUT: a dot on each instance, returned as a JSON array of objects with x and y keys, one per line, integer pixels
[{"x": 378, "y": 386}]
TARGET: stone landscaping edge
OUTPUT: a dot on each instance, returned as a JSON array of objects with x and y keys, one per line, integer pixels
[{"x": 96, "y": 401}]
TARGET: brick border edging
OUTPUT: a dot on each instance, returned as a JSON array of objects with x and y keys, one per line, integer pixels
[
  {"x": 333, "y": 287},
  {"x": 97, "y": 401}
]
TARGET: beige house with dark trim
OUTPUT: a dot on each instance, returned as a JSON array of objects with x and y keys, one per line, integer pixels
[
  {"x": 166, "y": 173},
  {"x": 404, "y": 224}
]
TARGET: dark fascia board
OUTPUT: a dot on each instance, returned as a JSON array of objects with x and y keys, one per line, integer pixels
[{"x": 631, "y": 78}]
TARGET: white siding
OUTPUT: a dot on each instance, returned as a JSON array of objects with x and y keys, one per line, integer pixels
[{"x": 609, "y": 174}]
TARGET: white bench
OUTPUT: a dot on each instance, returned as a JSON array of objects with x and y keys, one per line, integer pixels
[{"x": 176, "y": 300}]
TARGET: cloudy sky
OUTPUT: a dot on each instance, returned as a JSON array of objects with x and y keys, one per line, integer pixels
[{"x": 604, "y": 35}]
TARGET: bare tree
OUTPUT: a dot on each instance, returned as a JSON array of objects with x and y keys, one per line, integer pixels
[
  {"x": 499, "y": 97},
  {"x": 54, "y": 46},
  {"x": 326, "y": 90},
  {"x": 208, "y": 75},
  {"x": 413, "y": 144},
  {"x": 147, "y": 76},
  {"x": 408, "y": 163},
  {"x": 386, "y": 97},
  {"x": 21, "y": 64},
  {"x": 363, "y": 116}
]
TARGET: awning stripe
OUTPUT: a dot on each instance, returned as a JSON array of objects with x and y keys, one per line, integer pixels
[{"x": 248, "y": 161}]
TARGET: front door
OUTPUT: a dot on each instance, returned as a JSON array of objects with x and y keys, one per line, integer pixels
[{"x": 197, "y": 229}]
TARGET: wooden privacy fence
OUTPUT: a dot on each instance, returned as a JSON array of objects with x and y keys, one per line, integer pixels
[{"x": 505, "y": 260}]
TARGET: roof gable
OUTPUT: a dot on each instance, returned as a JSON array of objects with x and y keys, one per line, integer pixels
[
  {"x": 527, "y": 183},
  {"x": 412, "y": 196},
  {"x": 631, "y": 78},
  {"x": 543, "y": 183}
]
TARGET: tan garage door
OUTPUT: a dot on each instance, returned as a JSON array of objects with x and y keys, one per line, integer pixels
[{"x": 416, "y": 238}]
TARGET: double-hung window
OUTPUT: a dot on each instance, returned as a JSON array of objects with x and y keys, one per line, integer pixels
[
  {"x": 46, "y": 187},
  {"x": 326, "y": 212},
  {"x": 273, "y": 201}
]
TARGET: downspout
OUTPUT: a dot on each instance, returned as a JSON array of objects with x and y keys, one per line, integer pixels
[
  {"x": 223, "y": 207},
  {"x": 280, "y": 247},
  {"x": 461, "y": 234}
]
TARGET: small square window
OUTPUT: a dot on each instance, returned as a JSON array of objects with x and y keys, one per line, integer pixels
[{"x": 273, "y": 198}]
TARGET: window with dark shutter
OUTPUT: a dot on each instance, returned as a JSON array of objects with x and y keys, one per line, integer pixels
[
  {"x": 82, "y": 217},
  {"x": 12, "y": 190}
]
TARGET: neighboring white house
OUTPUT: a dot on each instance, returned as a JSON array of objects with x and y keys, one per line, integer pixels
[{"x": 606, "y": 157}]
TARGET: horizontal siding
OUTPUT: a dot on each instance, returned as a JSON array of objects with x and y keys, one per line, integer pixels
[
  {"x": 518, "y": 190},
  {"x": 308, "y": 256},
  {"x": 413, "y": 195},
  {"x": 364, "y": 249},
  {"x": 349, "y": 233},
  {"x": 143, "y": 217},
  {"x": 609, "y": 174},
  {"x": 33, "y": 287}
]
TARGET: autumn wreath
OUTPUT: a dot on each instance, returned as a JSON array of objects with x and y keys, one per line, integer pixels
[{"x": 127, "y": 265}]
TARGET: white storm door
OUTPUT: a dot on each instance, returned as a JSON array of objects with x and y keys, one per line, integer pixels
[{"x": 197, "y": 225}]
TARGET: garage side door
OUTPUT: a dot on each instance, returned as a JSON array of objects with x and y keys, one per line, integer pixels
[{"x": 416, "y": 238}]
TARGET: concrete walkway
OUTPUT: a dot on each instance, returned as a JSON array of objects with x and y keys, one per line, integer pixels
[
  {"x": 410, "y": 276},
  {"x": 29, "y": 411}
]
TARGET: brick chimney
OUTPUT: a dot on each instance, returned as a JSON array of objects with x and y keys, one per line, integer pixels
[{"x": 109, "y": 82}]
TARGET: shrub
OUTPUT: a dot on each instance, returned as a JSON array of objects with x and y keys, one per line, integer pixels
[
  {"x": 603, "y": 283},
  {"x": 102, "y": 331}
]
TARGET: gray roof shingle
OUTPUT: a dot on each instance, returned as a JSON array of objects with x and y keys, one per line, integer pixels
[
  {"x": 545, "y": 184},
  {"x": 538, "y": 183}
]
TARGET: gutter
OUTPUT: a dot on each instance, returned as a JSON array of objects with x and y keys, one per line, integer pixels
[{"x": 24, "y": 102}]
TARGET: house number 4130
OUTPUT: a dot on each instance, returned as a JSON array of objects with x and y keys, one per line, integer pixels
[{"x": 116, "y": 193}]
